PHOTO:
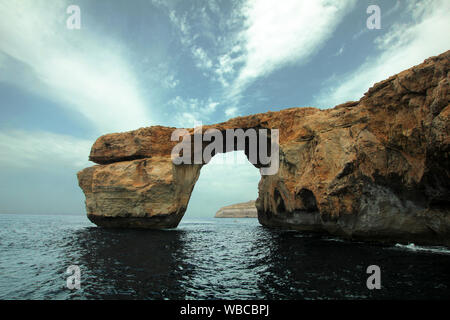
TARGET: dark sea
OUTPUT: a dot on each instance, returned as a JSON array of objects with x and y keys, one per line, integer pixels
[{"x": 206, "y": 258}]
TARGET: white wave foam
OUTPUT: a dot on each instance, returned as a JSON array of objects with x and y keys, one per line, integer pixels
[{"x": 432, "y": 249}]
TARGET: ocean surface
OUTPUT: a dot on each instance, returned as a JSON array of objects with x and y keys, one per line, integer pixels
[{"x": 206, "y": 259}]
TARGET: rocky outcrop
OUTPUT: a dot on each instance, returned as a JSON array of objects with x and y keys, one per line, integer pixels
[
  {"x": 376, "y": 169},
  {"x": 239, "y": 210},
  {"x": 143, "y": 193}
]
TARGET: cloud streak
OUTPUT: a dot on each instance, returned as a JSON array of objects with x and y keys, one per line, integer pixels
[
  {"x": 76, "y": 68},
  {"x": 275, "y": 36},
  {"x": 257, "y": 38},
  {"x": 43, "y": 150},
  {"x": 192, "y": 112}
]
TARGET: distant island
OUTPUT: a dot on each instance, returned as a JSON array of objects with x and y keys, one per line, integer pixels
[{"x": 239, "y": 210}]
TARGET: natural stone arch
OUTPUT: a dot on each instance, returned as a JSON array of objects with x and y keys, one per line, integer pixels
[
  {"x": 151, "y": 192},
  {"x": 374, "y": 169}
]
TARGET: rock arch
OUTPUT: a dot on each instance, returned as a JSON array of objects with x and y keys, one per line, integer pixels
[
  {"x": 138, "y": 185},
  {"x": 372, "y": 169}
]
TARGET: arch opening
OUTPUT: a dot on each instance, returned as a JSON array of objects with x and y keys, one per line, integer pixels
[{"x": 229, "y": 178}]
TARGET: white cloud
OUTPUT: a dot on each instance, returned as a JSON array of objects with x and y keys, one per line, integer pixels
[
  {"x": 211, "y": 107},
  {"x": 43, "y": 150},
  {"x": 79, "y": 69},
  {"x": 228, "y": 64},
  {"x": 183, "y": 26},
  {"x": 203, "y": 61},
  {"x": 187, "y": 38},
  {"x": 192, "y": 111},
  {"x": 402, "y": 47},
  {"x": 188, "y": 119},
  {"x": 231, "y": 112},
  {"x": 170, "y": 81},
  {"x": 255, "y": 38},
  {"x": 260, "y": 37},
  {"x": 277, "y": 35}
]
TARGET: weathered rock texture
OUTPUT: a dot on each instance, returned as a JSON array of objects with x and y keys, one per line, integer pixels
[
  {"x": 374, "y": 169},
  {"x": 239, "y": 210}
]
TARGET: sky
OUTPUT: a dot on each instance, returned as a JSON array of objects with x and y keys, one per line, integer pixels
[{"x": 182, "y": 63}]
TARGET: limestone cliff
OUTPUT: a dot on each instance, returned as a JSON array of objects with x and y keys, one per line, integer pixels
[
  {"x": 377, "y": 168},
  {"x": 239, "y": 210}
]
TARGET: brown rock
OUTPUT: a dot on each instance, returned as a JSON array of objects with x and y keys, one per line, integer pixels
[
  {"x": 148, "y": 193},
  {"x": 373, "y": 169},
  {"x": 239, "y": 210}
]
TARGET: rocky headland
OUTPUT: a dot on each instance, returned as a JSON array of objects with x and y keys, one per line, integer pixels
[
  {"x": 238, "y": 210},
  {"x": 373, "y": 169}
]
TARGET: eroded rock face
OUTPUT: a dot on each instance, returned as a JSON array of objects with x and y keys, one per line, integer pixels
[
  {"x": 238, "y": 210},
  {"x": 144, "y": 193},
  {"x": 373, "y": 169}
]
